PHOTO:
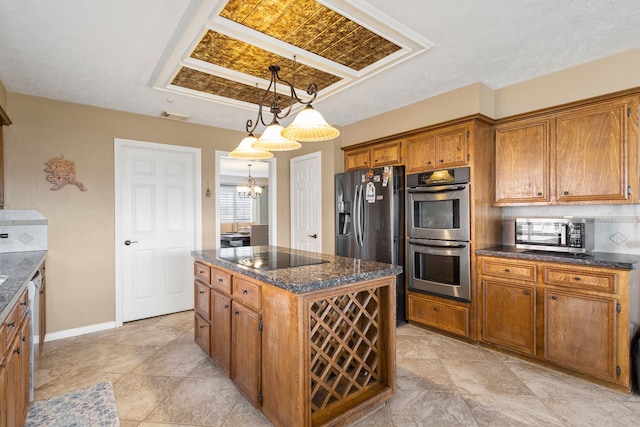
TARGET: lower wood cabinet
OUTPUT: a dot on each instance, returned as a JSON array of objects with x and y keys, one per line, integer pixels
[
  {"x": 441, "y": 313},
  {"x": 580, "y": 332},
  {"x": 16, "y": 365},
  {"x": 246, "y": 351},
  {"x": 579, "y": 318},
  {"x": 221, "y": 331}
]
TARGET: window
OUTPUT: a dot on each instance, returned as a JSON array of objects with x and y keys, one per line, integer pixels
[{"x": 234, "y": 208}]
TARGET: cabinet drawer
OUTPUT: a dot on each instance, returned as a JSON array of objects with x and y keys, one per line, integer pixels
[
  {"x": 448, "y": 317},
  {"x": 247, "y": 292},
  {"x": 12, "y": 322},
  {"x": 221, "y": 280},
  {"x": 510, "y": 269},
  {"x": 202, "y": 300},
  {"x": 202, "y": 272},
  {"x": 202, "y": 332},
  {"x": 604, "y": 281}
]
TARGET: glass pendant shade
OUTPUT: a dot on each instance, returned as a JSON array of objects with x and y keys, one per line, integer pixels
[
  {"x": 272, "y": 140},
  {"x": 310, "y": 126},
  {"x": 245, "y": 151}
]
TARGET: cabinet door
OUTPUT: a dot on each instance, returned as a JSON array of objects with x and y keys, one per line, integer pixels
[
  {"x": 221, "y": 330},
  {"x": 14, "y": 381},
  {"x": 591, "y": 153},
  {"x": 522, "y": 162},
  {"x": 575, "y": 323},
  {"x": 25, "y": 369},
  {"x": 386, "y": 153},
  {"x": 451, "y": 146},
  {"x": 421, "y": 152},
  {"x": 509, "y": 315},
  {"x": 3, "y": 394},
  {"x": 202, "y": 300},
  {"x": 356, "y": 159},
  {"x": 202, "y": 331},
  {"x": 246, "y": 351}
]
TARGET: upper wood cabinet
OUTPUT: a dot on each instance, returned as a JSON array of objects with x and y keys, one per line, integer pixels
[
  {"x": 373, "y": 156},
  {"x": 438, "y": 148},
  {"x": 522, "y": 162},
  {"x": 583, "y": 154}
]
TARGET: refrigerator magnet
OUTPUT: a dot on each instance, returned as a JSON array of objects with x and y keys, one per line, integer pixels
[{"x": 371, "y": 193}]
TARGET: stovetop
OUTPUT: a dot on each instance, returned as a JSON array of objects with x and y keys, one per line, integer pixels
[{"x": 264, "y": 259}]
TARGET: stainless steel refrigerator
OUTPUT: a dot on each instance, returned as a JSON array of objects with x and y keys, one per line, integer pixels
[{"x": 370, "y": 220}]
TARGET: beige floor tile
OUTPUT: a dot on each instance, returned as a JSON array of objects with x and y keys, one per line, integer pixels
[
  {"x": 423, "y": 374},
  {"x": 429, "y": 408},
  {"x": 594, "y": 413},
  {"x": 484, "y": 377},
  {"x": 491, "y": 411},
  {"x": 173, "y": 360},
  {"x": 138, "y": 395}
]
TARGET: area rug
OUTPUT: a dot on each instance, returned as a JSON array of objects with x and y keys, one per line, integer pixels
[{"x": 87, "y": 407}]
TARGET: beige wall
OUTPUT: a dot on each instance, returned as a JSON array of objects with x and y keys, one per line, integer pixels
[
  {"x": 81, "y": 260},
  {"x": 607, "y": 75}
]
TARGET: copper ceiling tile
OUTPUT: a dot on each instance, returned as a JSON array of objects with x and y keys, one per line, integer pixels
[
  {"x": 224, "y": 51},
  {"x": 202, "y": 82},
  {"x": 313, "y": 27}
]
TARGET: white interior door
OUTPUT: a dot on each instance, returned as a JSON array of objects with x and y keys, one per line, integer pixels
[
  {"x": 158, "y": 223},
  {"x": 306, "y": 191}
]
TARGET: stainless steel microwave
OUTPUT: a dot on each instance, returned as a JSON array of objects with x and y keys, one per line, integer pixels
[{"x": 572, "y": 235}]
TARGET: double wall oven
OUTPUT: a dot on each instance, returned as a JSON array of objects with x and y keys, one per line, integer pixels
[{"x": 438, "y": 233}]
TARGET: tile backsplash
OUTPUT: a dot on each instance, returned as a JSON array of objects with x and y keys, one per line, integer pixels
[
  {"x": 617, "y": 227},
  {"x": 23, "y": 230}
]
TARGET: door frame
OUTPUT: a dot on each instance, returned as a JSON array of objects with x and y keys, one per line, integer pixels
[
  {"x": 273, "y": 198},
  {"x": 318, "y": 156},
  {"x": 119, "y": 145}
]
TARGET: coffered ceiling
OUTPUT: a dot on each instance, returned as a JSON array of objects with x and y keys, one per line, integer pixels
[{"x": 208, "y": 59}]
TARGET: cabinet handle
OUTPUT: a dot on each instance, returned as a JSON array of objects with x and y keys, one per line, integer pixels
[
  {"x": 202, "y": 292},
  {"x": 203, "y": 326},
  {"x": 23, "y": 303},
  {"x": 577, "y": 279},
  {"x": 441, "y": 161},
  {"x": 539, "y": 193},
  {"x": 506, "y": 270},
  {"x": 526, "y": 292},
  {"x": 429, "y": 162},
  {"x": 244, "y": 292},
  {"x": 566, "y": 193},
  {"x": 220, "y": 280},
  {"x": 554, "y": 297},
  {"x": 435, "y": 308},
  {"x": 16, "y": 351},
  {"x": 226, "y": 306},
  {"x": 11, "y": 324},
  {"x": 236, "y": 313},
  {"x": 24, "y": 338}
]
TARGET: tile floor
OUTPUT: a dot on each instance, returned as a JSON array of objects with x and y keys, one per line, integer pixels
[{"x": 162, "y": 378}]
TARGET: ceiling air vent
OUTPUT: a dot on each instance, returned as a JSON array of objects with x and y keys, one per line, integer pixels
[{"x": 174, "y": 116}]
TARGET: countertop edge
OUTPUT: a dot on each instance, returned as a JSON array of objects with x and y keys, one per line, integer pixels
[{"x": 595, "y": 259}]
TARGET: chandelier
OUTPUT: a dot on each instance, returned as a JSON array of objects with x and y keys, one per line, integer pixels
[
  {"x": 249, "y": 188},
  {"x": 308, "y": 126}
]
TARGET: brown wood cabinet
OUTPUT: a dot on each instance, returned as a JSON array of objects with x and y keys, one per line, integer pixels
[
  {"x": 579, "y": 318},
  {"x": 282, "y": 349},
  {"x": 438, "y": 148},
  {"x": 16, "y": 364},
  {"x": 585, "y": 153},
  {"x": 441, "y": 313},
  {"x": 373, "y": 155}
]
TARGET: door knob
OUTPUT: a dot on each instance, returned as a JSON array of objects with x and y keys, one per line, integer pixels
[
  {"x": 129, "y": 242},
  {"x": 314, "y": 235}
]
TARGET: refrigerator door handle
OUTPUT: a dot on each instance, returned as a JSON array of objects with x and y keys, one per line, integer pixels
[
  {"x": 359, "y": 212},
  {"x": 356, "y": 217}
]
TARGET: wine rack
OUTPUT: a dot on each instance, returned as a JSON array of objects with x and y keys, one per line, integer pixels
[{"x": 345, "y": 348}]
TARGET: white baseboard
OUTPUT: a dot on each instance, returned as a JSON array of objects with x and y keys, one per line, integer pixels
[{"x": 68, "y": 333}]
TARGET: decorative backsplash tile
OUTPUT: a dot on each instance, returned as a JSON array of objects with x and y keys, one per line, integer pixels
[{"x": 23, "y": 230}]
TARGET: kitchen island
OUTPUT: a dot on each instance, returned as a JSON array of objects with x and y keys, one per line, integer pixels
[{"x": 307, "y": 338}]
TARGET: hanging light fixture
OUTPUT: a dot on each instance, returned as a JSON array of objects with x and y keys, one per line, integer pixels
[
  {"x": 308, "y": 126},
  {"x": 249, "y": 188},
  {"x": 245, "y": 151}
]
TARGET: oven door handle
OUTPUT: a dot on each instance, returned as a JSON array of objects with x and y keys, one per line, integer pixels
[
  {"x": 454, "y": 246},
  {"x": 439, "y": 190}
]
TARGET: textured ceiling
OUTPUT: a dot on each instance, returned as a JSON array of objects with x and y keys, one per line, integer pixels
[{"x": 138, "y": 56}]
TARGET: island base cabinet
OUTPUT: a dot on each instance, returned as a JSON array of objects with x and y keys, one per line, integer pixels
[
  {"x": 580, "y": 333},
  {"x": 246, "y": 351}
]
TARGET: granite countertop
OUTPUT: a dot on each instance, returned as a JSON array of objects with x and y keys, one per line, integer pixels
[
  {"x": 594, "y": 259},
  {"x": 335, "y": 271},
  {"x": 19, "y": 267}
]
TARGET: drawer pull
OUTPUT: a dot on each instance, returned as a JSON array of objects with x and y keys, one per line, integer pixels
[
  {"x": 23, "y": 303},
  {"x": 202, "y": 292},
  {"x": 203, "y": 326},
  {"x": 226, "y": 306},
  {"x": 220, "y": 280},
  {"x": 236, "y": 313},
  {"x": 16, "y": 351},
  {"x": 11, "y": 324},
  {"x": 526, "y": 292},
  {"x": 506, "y": 270},
  {"x": 577, "y": 279},
  {"x": 244, "y": 292},
  {"x": 554, "y": 297}
]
